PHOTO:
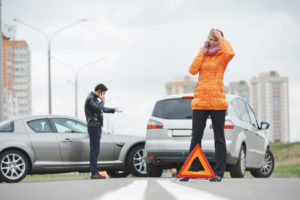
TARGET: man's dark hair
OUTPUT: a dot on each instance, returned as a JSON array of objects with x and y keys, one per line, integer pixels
[{"x": 101, "y": 87}]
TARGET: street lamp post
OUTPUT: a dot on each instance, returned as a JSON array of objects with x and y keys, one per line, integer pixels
[
  {"x": 49, "y": 41},
  {"x": 76, "y": 73}
]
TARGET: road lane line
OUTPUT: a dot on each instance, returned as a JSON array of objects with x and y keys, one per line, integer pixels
[
  {"x": 134, "y": 191},
  {"x": 180, "y": 192}
]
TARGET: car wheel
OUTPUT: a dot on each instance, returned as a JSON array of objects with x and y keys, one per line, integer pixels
[
  {"x": 136, "y": 161},
  {"x": 118, "y": 173},
  {"x": 13, "y": 166},
  {"x": 267, "y": 168},
  {"x": 154, "y": 170},
  {"x": 238, "y": 170}
]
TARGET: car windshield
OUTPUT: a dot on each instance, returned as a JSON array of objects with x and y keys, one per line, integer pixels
[
  {"x": 7, "y": 126},
  {"x": 173, "y": 109}
]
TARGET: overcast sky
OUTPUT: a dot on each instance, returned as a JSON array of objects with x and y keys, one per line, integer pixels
[{"x": 148, "y": 43}]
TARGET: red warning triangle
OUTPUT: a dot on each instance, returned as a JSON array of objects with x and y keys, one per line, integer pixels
[{"x": 196, "y": 153}]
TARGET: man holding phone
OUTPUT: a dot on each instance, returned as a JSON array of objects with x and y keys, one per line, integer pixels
[{"x": 94, "y": 116}]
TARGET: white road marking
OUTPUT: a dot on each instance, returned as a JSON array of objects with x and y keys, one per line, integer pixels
[
  {"x": 134, "y": 191},
  {"x": 180, "y": 192}
]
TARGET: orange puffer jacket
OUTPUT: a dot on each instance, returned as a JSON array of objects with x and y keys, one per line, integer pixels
[{"x": 209, "y": 93}]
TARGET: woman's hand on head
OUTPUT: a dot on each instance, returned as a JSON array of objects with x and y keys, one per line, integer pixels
[{"x": 216, "y": 34}]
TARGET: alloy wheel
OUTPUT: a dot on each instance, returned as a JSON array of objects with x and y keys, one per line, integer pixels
[
  {"x": 268, "y": 164},
  {"x": 12, "y": 166},
  {"x": 139, "y": 162},
  {"x": 243, "y": 162}
]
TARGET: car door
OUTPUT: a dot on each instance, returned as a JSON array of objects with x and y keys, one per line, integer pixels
[
  {"x": 44, "y": 142},
  {"x": 245, "y": 125},
  {"x": 74, "y": 142},
  {"x": 259, "y": 138}
]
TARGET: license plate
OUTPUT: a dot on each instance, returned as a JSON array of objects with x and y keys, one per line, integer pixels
[{"x": 181, "y": 133}]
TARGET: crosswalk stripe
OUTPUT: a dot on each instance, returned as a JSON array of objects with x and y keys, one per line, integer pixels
[
  {"x": 180, "y": 192},
  {"x": 133, "y": 191}
]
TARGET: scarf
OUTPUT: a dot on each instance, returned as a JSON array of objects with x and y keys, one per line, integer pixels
[{"x": 212, "y": 50}]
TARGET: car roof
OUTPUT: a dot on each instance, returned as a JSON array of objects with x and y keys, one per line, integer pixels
[
  {"x": 229, "y": 97},
  {"x": 32, "y": 117}
]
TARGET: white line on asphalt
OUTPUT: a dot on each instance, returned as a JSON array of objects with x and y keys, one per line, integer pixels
[
  {"x": 180, "y": 192},
  {"x": 134, "y": 191}
]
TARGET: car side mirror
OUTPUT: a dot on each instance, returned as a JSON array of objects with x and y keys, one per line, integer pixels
[{"x": 264, "y": 125}]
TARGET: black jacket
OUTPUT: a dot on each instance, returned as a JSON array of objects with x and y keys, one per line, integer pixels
[{"x": 94, "y": 110}]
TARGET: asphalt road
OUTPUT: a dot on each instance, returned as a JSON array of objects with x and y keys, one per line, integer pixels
[{"x": 153, "y": 189}]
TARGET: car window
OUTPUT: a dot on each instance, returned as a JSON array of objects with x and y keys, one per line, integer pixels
[
  {"x": 7, "y": 126},
  {"x": 240, "y": 109},
  {"x": 173, "y": 109},
  {"x": 40, "y": 126},
  {"x": 253, "y": 120},
  {"x": 64, "y": 125}
]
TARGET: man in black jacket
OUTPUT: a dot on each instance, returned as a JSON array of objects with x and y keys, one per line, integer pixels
[{"x": 94, "y": 117}]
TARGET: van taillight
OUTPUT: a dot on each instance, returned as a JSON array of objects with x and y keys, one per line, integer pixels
[
  {"x": 154, "y": 125},
  {"x": 228, "y": 125}
]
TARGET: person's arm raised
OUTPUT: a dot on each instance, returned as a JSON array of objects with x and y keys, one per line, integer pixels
[
  {"x": 226, "y": 49},
  {"x": 225, "y": 45}
]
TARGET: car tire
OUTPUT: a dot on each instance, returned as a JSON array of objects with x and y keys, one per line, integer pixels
[
  {"x": 267, "y": 168},
  {"x": 118, "y": 173},
  {"x": 13, "y": 166},
  {"x": 154, "y": 170},
  {"x": 238, "y": 170},
  {"x": 136, "y": 161}
]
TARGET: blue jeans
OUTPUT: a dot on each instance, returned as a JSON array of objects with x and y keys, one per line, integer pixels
[{"x": 95, "y": 136}]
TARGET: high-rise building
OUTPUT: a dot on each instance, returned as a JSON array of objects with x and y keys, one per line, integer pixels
[
  {"x": 270, "y": 100},
  {"x": 10, "y": 109},
  {"x": 16, "y": 75},
  {"x": 181, "y": 86},
  {"x": 239, "y": 88}
]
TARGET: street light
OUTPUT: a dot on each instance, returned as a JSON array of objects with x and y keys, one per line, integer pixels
[
  {"x": 49, "y": 41},
  {"x": 76, "y": 73}
]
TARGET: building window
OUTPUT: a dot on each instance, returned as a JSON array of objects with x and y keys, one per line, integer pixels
[
  {"x": 8, "y": 63},
  {"x": 21, "y": 70}
]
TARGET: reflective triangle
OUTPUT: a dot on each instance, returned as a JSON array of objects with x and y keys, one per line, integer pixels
[{"x": 196, "y": 153}]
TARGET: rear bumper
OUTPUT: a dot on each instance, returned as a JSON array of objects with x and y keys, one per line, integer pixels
[{"x": 179, "y": 157}]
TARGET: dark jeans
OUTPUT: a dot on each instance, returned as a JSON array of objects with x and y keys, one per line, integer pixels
[
  {"x": 199, "y": 122},
  {"x": 95, "y": 136}
]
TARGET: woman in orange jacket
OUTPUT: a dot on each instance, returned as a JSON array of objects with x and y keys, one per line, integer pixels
[{"x": 209, "y": 96}]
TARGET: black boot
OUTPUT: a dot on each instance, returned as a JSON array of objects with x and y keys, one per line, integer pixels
[
  {"x": 184, "y": 179},
  {"x": 217, "y": 179}
]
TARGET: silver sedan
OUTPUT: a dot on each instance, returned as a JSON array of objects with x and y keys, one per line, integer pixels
[{"x": 58, "y": 144}]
